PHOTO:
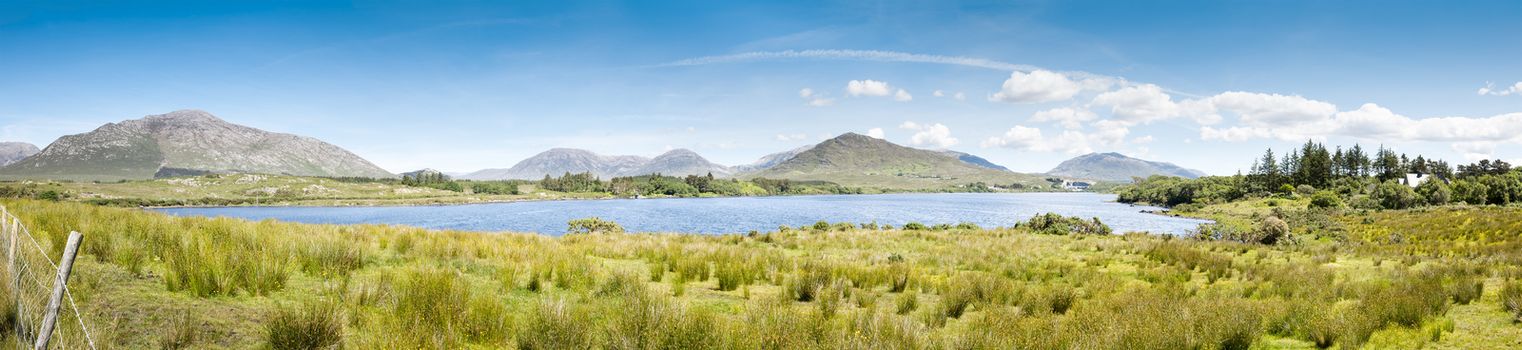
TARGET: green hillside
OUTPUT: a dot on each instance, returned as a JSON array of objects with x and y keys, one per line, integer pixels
[{"x": 858, "y": 160}]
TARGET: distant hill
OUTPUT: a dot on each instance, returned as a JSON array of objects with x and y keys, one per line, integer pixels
[
  {"x": 558, "y": 161},
  {"x": 424, "y": 172},
  {"x": 186, "y": 142},
  {"x": 858, "y": 160},
  {"x": 11, "y": 152},
  {"x": 771, "y": 160},
  {"x": 974, "y": 160},
  {"x": 1116, "y": 167}
]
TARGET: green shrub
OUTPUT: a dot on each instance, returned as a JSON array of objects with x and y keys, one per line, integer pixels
[
  {"x": 1056, "y": 224},
  {"x": 915, "y": 226},
  {"x": 1270, "y": 231},
  {"x": 1326, "y": 200},
  {"x": 593, "y": 225},
  {"x": 1394, "y": 195},
  {"x": 1187, "y": 208}
]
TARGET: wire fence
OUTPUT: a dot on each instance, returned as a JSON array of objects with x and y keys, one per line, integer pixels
[{"x": 28, "y": 289}]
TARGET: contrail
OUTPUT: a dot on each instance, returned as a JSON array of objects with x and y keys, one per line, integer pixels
[
  {"x": 874, "y": 55},
  {"x": 863, "y": 55}
]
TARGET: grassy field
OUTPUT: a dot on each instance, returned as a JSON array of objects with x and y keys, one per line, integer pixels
[{"x": 1438, "y": 278}]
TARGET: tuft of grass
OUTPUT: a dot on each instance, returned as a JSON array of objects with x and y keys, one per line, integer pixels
[
  {"x": 314, "y": 325},
  {"x": 1511, "y": 299}
]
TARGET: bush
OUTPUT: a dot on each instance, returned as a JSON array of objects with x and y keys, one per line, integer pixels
[
  {"x": 315, "y": 325},
  {"x": 1187, "y": 208},
  {"x": 915, "y": 226},
  {"x": 593, "y": 225},
  {"x": 1056, "y": 224},
  {"x": 1394, "y": 195},
  {"x": 1270, "y": 231},
  {"x": 1326, "y": 200}
]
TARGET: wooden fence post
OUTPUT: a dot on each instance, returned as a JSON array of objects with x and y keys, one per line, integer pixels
[
  {"x": 12, "y": 230},
  {"x": 65, "y": 264}
]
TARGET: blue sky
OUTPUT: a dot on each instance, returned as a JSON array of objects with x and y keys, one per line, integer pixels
[{"x": 462, "y": 86}]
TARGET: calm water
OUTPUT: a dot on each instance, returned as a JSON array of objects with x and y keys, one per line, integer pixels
[{"x": 730, "y": 215}]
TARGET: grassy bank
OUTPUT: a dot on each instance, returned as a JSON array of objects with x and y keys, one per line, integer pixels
[
  {"x": 276, "y": 190},
  {"x": 147, "y": 280}
]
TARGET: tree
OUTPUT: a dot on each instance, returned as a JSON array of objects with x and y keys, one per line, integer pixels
[
  {"x": 1435, "y": 192},
  {"x": 1387, "y": 165},
  {"x": 1470, "y": 192},
  {"x": 1314, "y": 166},
  {"x": 1357, "y": 162},
  {"x": 1265, "y": 173},
  {"x": 1394, "y": 195}
]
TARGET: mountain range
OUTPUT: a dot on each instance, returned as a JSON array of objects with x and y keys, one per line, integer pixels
[
  {"x": 191, "y": 142},
  {"x": 11, "y": 152},
  {"x": 186, "y": 142},
  {"x": 558, "y": 161},
  {"x": 1116, "y": 167}
]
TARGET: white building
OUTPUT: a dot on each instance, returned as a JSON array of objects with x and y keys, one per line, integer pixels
[
  {"x": 1413, "y": 179},
  {"x": 1075, "y": 186}
]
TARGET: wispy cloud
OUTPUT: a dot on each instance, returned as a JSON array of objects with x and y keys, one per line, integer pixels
[
  {"x": 891, "y": 56},
  {"x": 859, "y": 55}
]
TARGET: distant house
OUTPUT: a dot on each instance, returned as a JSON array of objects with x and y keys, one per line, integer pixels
[
  {"x": 1075, "y": 185},
  {"x": 1414, "y": 179}
]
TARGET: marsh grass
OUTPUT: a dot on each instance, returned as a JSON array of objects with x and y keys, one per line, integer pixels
[
  {"x": 313, "y": 325},
  {"x": 305, "y": 286}
]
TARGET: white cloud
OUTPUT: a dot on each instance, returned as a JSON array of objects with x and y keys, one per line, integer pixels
[
  {"x": 1110, "y": 132},
  {"x": 960, "y": 96},
  {"x": 1373, "y": 122},
  {"x": 1036, "y": 86},
  {"x": 868, "y": 88},
  {"x": 902, "y": 96},
  {"x": 1143, "y": 139},
  {"x": 938, "y": 93},
  {"x": 1232, "y": 134},
  {"x": 1271, "y": 109},
  {"x": 1490, "y": 89},
  {"x": 1031, "y": 139},
  {"x": 791, "y": 137},
  {"x": 1139, "y": 104},
  {"x": 1071, "y": 118},
  {"x": 1475, "y": 151},
  {"x": 815, "y": 99},
  {"x": 1018, "y": 137},
  {"x": 875, "y": 133},
  {"x": 929, "y": 134}
]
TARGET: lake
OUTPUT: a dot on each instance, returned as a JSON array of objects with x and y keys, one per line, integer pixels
[{"x": 730, "y": 214}]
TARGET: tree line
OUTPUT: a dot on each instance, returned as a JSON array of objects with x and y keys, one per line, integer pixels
[
  {"x": 1349, "y": 175},
  {"x": 687, "y": 186}
]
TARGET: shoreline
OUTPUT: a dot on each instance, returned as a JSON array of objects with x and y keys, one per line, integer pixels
[
  {"x": 503, "y": 201},
  {"x": 433, "y": 201}
]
